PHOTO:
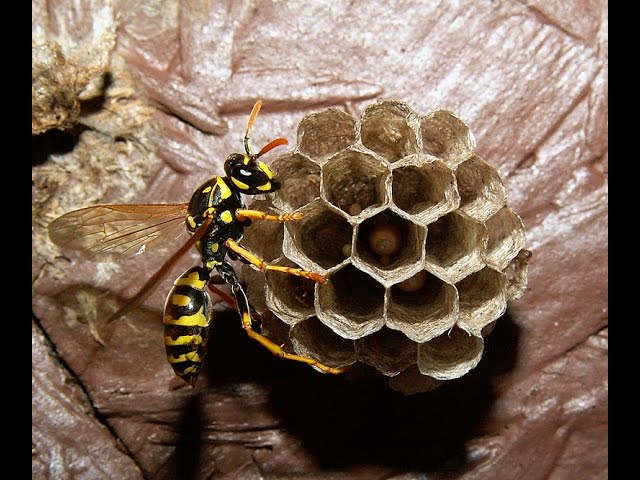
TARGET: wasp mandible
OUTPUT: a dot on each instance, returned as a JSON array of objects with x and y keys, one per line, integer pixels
[{"x": 215, "y": 217}]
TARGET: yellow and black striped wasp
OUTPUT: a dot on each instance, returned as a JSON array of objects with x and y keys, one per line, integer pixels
[{"x": 215, "y": 217}]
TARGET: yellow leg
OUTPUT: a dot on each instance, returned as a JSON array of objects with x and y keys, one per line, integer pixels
[
  {"x": 254, "y": 260},
  {"x": 242, "y": 214},
  {"x": 228, "y": 274},
  {"x": 278, "y": 352}
]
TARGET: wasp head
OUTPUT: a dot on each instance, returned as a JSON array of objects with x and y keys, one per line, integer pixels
[{"x": 250, "y": 175}]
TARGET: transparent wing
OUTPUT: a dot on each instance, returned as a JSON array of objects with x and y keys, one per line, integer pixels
[{"x": 111, "y": 232}]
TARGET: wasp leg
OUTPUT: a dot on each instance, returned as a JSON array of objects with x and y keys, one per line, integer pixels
[
  {"x": 242, "y": 214},
  {"x": 217, "y": 280},
  {"x": 227, "y": 272},
  {"x": 254, "y": 260}
]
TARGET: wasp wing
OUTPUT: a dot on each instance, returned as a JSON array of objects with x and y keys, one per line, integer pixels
[{"x": 110, "y": 232}]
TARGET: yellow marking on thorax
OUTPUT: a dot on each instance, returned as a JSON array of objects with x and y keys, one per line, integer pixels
[
  {"x": 183, "y": 340},
  {"x": 214, "y": 247},
  {"x": 198, "y": 319},
  {"x": 180, "y": 300},
  {"x": 185, "y": 357},
  {"x": 239, "y": 184},
  {"x": 192, "y": 280},
  {"x": 265, "y": 169},
  {"x": 226, "y": 216},
  {"x": 225, "y": 191},
  {"x": 265, "y": 187},
  {"x": 206, "y": 190},
  {"x": 191, "y": 221}
]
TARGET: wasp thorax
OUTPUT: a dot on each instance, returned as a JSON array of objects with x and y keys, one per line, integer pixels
[{"x": 412, "y": 231}]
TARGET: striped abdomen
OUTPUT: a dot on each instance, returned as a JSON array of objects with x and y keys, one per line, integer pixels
[{"x": 186, "y": 323}]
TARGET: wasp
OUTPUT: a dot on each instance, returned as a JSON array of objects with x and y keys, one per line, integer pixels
[{"x": 215, "y": 219}]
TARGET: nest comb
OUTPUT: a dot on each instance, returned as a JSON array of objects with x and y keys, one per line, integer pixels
[{"x": 411, "y": 229}]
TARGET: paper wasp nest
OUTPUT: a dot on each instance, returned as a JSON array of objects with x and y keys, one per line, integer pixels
[{"x": 411, "y": 229}]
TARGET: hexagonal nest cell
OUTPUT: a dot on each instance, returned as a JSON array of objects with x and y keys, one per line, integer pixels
[
  {"x": 450, "y": 355},
  {"x": 422, "y": 313},
  {"x": 387, "y": 350},
  {"x": 311, "y": 338},
  {"x": 353, "y": 303},
  {"x": 299, "y": 178},
  {"x": 274, "y": 231},
  {"x": 387, "y": 243},
  {"x": 455, "y": 246},
  {"x": 413, "y": 235},
  {"x": 426, "y": 192},
  {"x": 354, "y": 181},
  {"x": 385, "y": 129},
  {"x": 506, "y": 237},
  {"x": 319, "y": 238},
  {"x": 482, "y": 299},
  {"x": 447, "y": 137},
  {"x": 289, "y": 296},
  {"x": 325, "y": 133},
  {"x": 482, "y": 192}
]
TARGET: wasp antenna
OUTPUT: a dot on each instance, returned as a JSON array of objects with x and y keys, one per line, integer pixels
[
  {"x": 252, "y": 118},
  {"x": 271, "y": 145}
]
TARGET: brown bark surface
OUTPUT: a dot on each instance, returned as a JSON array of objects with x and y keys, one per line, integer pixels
[{"x": 530, "y": 78}]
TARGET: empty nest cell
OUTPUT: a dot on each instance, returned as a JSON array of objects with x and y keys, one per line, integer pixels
[
  {"x": 264, "y": 238},
  {"x": 311, "y": 338},
  {"x": 481, "y": 190},
  {"x": 320, "y": 236},
  {"x": 447, "y": 137},
  {"x": 256, "y": 288},
  {"x": 354, "y": 181},
  {"x": 384, "y": 130},
  {"x": 387, "y": 350},
  {"x": 277, "y": 331},
  {"x": 506, "y": 237},
  {"x": 351, "y": 303},
  {"x": 516, "y": 273},
  {"x": 455, "y": 246},
  {"x": 291, "y": 297},
  {"x": 325, "y": 133},
  {"x": 426, "y": 191},
  {"x": 299, "y": 178},
  {"x": 422, "y": 313},
  {"x": 450, "y": 355},
  {"x": 482, "y": 299}
]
